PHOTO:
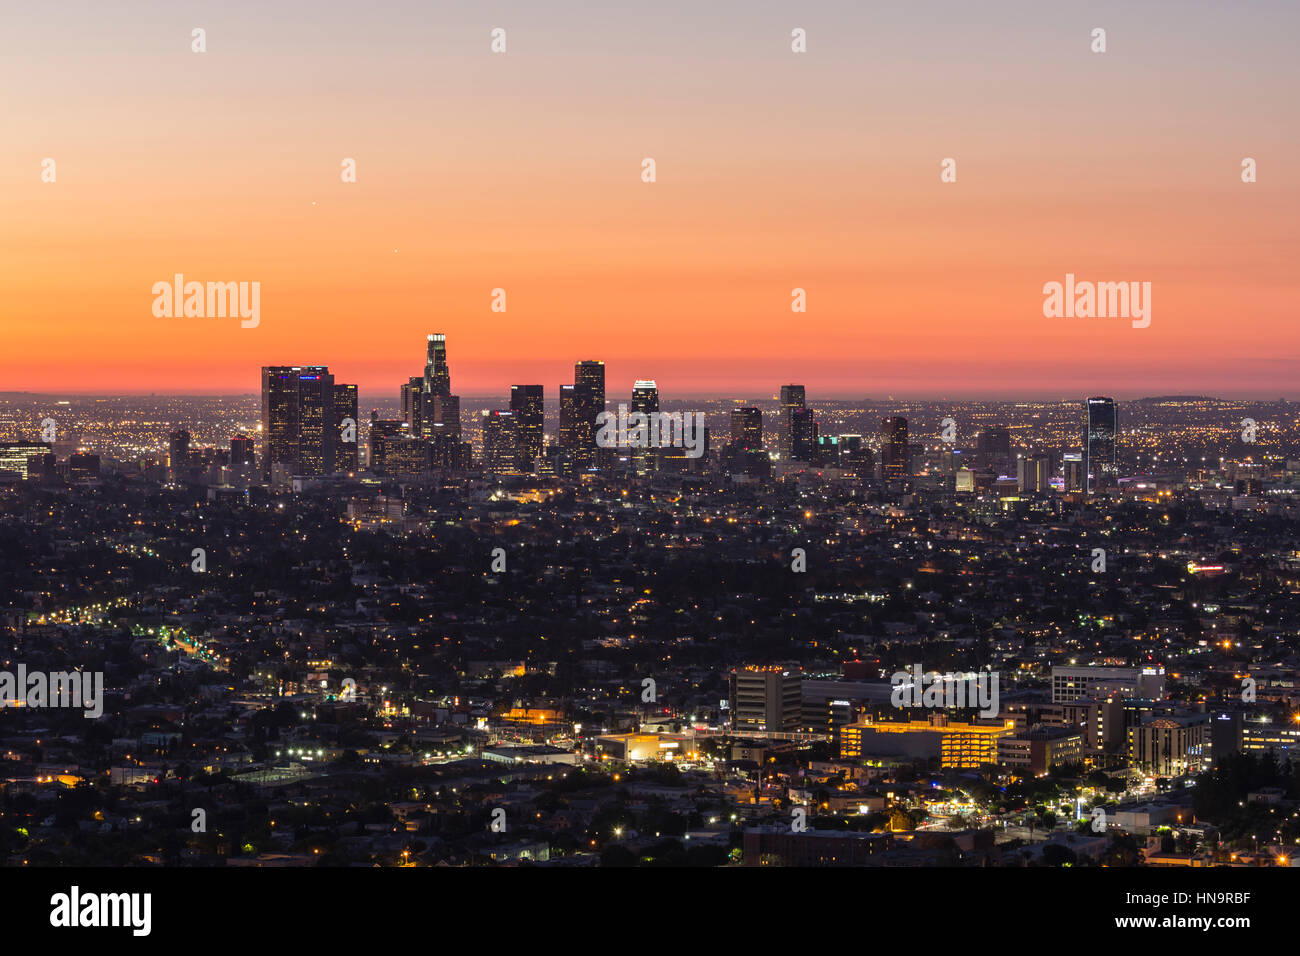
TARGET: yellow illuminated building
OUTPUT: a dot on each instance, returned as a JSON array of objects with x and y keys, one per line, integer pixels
[{"x": 957, "y": 745}]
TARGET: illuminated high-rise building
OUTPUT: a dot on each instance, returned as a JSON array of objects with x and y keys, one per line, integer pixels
[
  {"x": 298, "y": 426},
  {"x": 437, "y": 376},
  {"x": 500, "y": 442},
  {"x": 577, "y": 425},
  {"x": 1101, "y": 467},
  {"x": 645, "y": 399},
  {"x": 592, "y": 374},
  {"x": 766, "y": 698},
  {"x": 895, "y": 453},
  {"x": 1072, "y": 470},
  {"x": 348, "y": 429},
  {"x": 24, "y": 457},
  {"x": 178, "y": 454},
  {"x": 1034, "y": 473},
  {"x": 384, "y": 436},
  {"x": 747, "y": 427},
  {"x": 527, "y": 406},
  {"x": 803, "y": 435},
  {"x": 426, "y": 399},
  {"x": 792, "y": 399}
]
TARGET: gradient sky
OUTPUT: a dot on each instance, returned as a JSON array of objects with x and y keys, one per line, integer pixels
[{"x": 775, "y": 170}]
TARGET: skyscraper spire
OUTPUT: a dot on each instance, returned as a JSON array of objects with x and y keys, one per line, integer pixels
[{"x": 437, "y": 377}]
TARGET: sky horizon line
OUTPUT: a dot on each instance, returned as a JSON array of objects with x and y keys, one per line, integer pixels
[{"x": 835, "y": 396}]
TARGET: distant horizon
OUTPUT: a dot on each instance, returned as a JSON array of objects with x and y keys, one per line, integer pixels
[
  {"x": 714, "y": 396},
  {"x": 800, "y": 225}
]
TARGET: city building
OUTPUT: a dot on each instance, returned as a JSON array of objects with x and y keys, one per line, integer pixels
[
  {"x": 178, "y": 455},
  {"x": 348, "y": 428},
  {"x": 957, "y": 744},
  {"x": 1171, "y": 745},
  {"x": 1101, "y": 467},
  {"x": 645, "y": 399},
  {"x": 792, "y": 400},
  {"x": 747, "y": 427},
  {"x": 896, "y": 455},
  {"x": 298, "y": 426},
  {"x": 1075, "y": 683},
  {"x": 1034, "y": 473},
  {"x": 527, "y": 407},
  {"x": 500, "y": 442},
  {"x": 766, "y": 698}
]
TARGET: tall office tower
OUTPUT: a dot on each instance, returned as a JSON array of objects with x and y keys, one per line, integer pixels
[
  {"x": 437, "y": 377},
  {"x": 412, "y": 399},
  {"x": 298, "y": 428},
  {"x": 766, "y": 698},
  {"x": 526, "y": 404},
  {"x": 426, "y": 399},
  {"x": 592, "y": 374},
  {"x": 803, "y": 435},
  {"x": 645, "y": 398},
  {"x": 747, "y": 427},
  {"x": 446, "y": 414},
  {"x": 993, "y": 448},
  {"x": 577, "y": 426},
  {"x": 1072, "y": 470},
  {"x": 1101, "y": 467},
  {"x": 243, "y": 459},
  {"x": 178, "y": 460},
  {"x": 1034, "y": 473},
  {"x": 241, "y": 450},
  {"x": 792, "y": 398},
  {"x": 26, "y": 458},
  {"x": 347, "y": 437},
  {"x": 384, "y": 434},
  {"x": 500, "y": 442},
  {"x": 895, "y": 454}
]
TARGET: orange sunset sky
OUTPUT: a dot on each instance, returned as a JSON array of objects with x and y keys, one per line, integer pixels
[{"x": 775, "y": 170}]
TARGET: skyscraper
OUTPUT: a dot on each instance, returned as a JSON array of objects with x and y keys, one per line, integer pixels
[
  {"x": 178, "y": 454},
  {"x": 347, "y": 427},
  {"x": 526, "y": 404},
  {"x": 747, "y": 427},
  {"x": 241, "y": 450},
  {"x": 298, "y": 427},
  {"x": 577, "y": 425},
  {"x": 1101, "y": 467},
  {"x": 500, "y": 442},
  {"x": 645, "y": 399},
  {"x": 792, "y": 399},
  {"x": 426, "y": 399},
  {"x": 803, "y": 434},
  {"x": 895, "y": 455},
  {"x": 1072, "y": 470},
  {"x": 592, "y": 374},
  {"x": 437, "y": 376},
  {"x": 384, "y": 435},
  {"x": 1034, "y": 473},
  {"x": 26, "y": 458},
  {"x": 993, "y": 448}
]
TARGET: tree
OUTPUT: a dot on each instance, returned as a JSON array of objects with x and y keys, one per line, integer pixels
[{"x": 1054, "y": 854}]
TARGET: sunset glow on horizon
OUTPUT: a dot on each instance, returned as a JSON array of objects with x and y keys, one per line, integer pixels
[{"x": 775, "y": 171}]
